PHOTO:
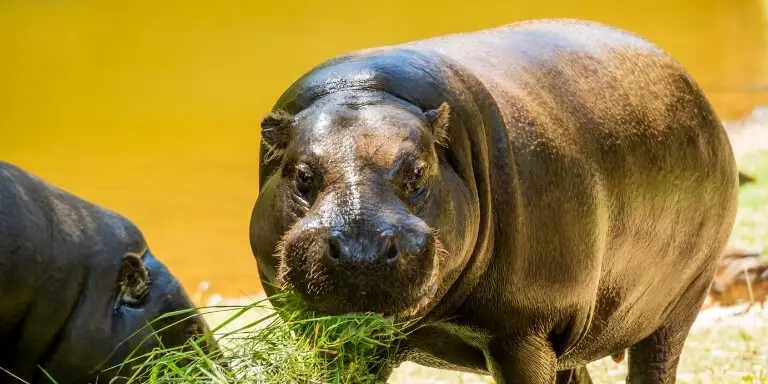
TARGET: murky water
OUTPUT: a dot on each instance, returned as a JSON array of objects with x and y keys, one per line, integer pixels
[{"x": 151, "y": 108}]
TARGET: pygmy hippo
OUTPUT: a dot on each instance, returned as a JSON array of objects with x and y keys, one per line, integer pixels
[
  {"x": 540, "y": 195},
  {"x": 79, "y": 287}
]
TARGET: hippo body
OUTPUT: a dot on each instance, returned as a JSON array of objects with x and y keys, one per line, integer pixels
[
  {"x": 579, "y": 188},
  {"x": 78, "y": 286}
]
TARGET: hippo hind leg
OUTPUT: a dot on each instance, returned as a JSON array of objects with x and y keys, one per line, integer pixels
[{"x": 654, "y": 359}]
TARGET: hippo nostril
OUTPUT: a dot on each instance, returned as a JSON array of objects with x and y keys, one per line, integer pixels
[
  {"x": 392, "y": 253},
  {"x": 333, "y": 251},
  {"x": 387, "y": 248}
]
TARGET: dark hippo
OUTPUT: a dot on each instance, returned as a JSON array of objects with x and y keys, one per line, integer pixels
[
  {"x": 76, "y": 282},
  {"x": 541, "y": 195}
]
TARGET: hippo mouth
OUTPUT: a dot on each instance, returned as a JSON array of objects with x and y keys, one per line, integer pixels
[
  {"x": 414, "y": 311},
  {"x": 332, "y": 287}
]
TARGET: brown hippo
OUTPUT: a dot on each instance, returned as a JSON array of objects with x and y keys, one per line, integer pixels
[
  {"x": 540, "y": 195},
  {"x": 78, "y": 288}
]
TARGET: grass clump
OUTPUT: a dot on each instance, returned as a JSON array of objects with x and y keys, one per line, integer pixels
[{"x": 288, "y": 343}]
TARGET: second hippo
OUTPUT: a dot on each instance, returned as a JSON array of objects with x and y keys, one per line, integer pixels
[{"x": 79, "y": 287}]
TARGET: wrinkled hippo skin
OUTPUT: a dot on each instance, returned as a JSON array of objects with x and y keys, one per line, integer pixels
[
  {"x": 76, "y": 282},
  {"x": 541, "y": 195}
]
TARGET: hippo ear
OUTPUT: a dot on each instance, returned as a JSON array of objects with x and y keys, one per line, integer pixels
[
  {"x": 275, "y": 128},
  {"x": 133, "y": 283},
  {"x": 439, "y": 119}
]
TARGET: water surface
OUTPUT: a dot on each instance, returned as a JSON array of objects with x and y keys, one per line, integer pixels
[{"x": 151, "y": 108}]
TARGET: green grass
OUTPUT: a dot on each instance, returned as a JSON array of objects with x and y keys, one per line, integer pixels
[
  {"x": 292, "y": 345},
  {"x": 283, "y": 344}
]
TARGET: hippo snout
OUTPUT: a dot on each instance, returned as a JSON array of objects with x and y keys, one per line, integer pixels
[
  {"x": 385, "y": 248},
  {"x": 360, "y": 267}
]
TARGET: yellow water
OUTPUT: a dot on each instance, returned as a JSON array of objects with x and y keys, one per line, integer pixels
[{"x": 151, "y": 108}]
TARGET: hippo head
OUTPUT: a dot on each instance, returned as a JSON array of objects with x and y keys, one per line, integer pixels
[
  {"x": 125, "y": 322},
  {"x": 366, "y": 206}
]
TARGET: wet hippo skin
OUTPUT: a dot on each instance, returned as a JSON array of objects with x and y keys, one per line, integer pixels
[
  {"x": 541, "y": 195},
  {"x": 78, "y": 286}
]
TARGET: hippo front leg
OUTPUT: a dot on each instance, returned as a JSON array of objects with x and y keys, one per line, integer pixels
[
  {"x": 382, "y": 376},
  {"x": 386, "y": 366},
  {"x": 527, "y": 360},
  {"x": 578, "y": 375}
]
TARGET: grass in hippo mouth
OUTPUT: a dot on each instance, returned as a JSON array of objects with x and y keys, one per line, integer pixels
[
  {"x": 411, "y": 312},
  {"x": 287, "y": 344}
]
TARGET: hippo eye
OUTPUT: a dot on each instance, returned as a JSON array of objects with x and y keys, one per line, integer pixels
[
  {"x": 414, "y": 183},
  {"x": 304, "y": 179}
]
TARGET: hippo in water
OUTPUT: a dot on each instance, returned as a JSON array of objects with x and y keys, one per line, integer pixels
[
  {"x": 538, "y": 196},
  {"x": 78, "y": 287}
]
